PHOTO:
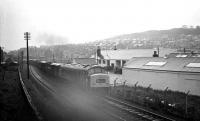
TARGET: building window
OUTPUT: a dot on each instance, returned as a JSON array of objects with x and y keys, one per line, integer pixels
[
  {"x": 118, "y": 63},
  {"x": 123, "y": 63},
  {"x": 104, "y": 61},
  {"x": 195, "y": 65},
  {"x": 100, "y": 61},
  {"x": 112, "y": 65},
  {"x": 155, "y": 63},
  {"x": 101, "y": 81}
]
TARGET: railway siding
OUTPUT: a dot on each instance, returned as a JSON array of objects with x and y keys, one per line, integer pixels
[{"x": 147, "y": 115}]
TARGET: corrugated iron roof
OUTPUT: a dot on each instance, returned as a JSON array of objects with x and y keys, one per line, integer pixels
[
  {"x": 172, "y": 64},
  {"x": 182, "y": 54},
  {"x": 128, "y": 54}
]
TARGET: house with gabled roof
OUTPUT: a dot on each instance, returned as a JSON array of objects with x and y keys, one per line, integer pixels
[{"x": 117, "y": 58}]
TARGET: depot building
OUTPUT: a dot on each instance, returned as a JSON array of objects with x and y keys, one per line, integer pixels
[
  {"x": 176, "y": 73},
  {"x": 118, "y": 58}
]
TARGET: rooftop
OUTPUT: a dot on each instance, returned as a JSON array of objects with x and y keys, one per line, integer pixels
[
  {"x": 183, "y": 55},
  {"x": 85, "y": 61},
  {"x": 186, "y": 64},
  {"x": 128, "y": 54}
]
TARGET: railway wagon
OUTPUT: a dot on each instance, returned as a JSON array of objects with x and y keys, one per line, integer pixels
[
  {"x": 74, "y": 74},
  {"x": 93, "y": 78}
]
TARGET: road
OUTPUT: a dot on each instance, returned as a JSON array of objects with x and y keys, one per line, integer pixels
[{"x": 57, "y": 99}]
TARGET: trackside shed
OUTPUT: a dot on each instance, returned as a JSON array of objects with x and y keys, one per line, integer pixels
[{"x": 178, "y": 74}]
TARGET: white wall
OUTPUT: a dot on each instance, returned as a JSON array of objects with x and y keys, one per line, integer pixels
[
  {"x": 160, "y": 80},
  {"x": 113, "y": 61}
]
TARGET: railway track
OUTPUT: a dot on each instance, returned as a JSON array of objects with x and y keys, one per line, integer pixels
[
  {"x": 141, "y": 113},
  {"x": 135, "y": 111},
  {"x": 50, "y": 89},
  {"x": 39, "y": 80}
]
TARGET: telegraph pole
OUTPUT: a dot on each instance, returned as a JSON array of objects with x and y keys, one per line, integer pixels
[
  {"x": 1, "y": 55},
  {"x": 27, "y": 37}
]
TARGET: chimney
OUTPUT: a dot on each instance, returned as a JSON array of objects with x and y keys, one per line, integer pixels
[
  {"x": 99, "y": 52},
  {"x": 155, "y": 54}
]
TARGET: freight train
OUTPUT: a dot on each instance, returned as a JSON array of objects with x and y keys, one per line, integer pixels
[{"x": 91, "y": 78}]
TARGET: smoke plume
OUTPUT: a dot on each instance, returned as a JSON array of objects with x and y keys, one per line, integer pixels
[{"x": 51, "y": 39}]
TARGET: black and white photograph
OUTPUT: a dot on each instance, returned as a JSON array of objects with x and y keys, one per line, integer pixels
[{"x": 99, "y": 60}]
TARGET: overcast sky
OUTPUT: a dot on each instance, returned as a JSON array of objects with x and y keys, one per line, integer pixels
[{"x": 78, "y": 21}]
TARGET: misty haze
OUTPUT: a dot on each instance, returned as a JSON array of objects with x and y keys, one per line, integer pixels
[{"x": 100, "y": 60}]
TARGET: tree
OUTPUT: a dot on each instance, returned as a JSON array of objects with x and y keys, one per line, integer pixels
[
  {"x": 197, "y": 27},
  {"x": 1, "y": 54}
]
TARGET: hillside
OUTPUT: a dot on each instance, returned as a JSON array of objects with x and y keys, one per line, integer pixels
[
  {"x": 177, "y": 38},
  {"x": 173, "y": 38}
]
